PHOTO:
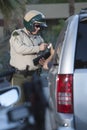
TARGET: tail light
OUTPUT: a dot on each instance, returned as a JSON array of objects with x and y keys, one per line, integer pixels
[{"x": 65, "y": 93}]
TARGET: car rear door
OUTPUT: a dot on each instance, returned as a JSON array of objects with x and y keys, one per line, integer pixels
[{"x": 80, "y": 77}]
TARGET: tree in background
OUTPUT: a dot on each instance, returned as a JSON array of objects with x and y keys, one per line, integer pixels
[
  {"x": 52, "y": 32},
  {"x": 7, "y": 7},
  {"x": 71, "y": 7},
  {"x": 12, "y": 8}
]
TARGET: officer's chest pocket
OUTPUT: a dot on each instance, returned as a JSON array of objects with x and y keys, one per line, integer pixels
[
  {"x": 38, "y": 40},
  {"x": 27, "y": 41}
]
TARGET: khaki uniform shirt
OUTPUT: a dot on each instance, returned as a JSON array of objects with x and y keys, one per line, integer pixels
[{"x": 23, "y": 49}]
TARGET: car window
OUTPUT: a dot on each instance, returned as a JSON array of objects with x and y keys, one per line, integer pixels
[
  {"x": 81, "y": 45},
  {"x": 59, "y": 44}
]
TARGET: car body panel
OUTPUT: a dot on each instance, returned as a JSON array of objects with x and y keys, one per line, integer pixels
[
  {"x": 80, "y": 96},
  {"x": 68, "y": 53}
]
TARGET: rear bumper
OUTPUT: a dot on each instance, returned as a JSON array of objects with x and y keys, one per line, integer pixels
[
  {"x": 65, "y": 121},
  {"x": 65, "y": 128}
]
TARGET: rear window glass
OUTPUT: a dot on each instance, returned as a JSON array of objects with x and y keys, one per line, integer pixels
[
  {"x": 59, "y": 44},
  {"x": 81, "y": 46}
]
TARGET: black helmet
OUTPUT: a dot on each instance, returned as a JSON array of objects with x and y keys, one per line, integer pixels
[{"x": 34, "y": 17}]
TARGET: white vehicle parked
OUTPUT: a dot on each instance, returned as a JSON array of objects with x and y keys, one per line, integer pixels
[{"x": 68, "y": 75}]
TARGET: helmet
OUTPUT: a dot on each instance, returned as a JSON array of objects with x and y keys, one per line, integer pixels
[{"x": 34, "y": 17}]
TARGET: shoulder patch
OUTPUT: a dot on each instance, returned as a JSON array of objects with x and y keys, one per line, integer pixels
[{"x": 15, "y": 33}]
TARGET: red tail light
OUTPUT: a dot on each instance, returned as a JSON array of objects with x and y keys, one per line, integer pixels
[{"x": 65, "y": 93}]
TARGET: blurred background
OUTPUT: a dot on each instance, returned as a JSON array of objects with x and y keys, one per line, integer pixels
[{"x": 11, "y": 17}]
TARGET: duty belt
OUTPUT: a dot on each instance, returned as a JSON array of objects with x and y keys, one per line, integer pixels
[{"x": 27, "y": 72}]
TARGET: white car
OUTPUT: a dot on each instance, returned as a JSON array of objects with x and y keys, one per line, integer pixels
[{"x": 68, "y": 75}]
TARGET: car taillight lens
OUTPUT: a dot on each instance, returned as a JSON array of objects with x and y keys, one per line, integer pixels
[{"x": 65, "y": 93}]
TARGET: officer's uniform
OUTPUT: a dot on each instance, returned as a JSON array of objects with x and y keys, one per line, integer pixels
[{"x": 23, "y": 49}]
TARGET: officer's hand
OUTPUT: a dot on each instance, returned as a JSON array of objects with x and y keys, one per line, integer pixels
[
  {"x": 42, "y": 61},
  {"x": 43, "y": 46}
]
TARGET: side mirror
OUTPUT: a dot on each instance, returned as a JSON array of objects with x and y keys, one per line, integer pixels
[{"x": 9, "y": 96}]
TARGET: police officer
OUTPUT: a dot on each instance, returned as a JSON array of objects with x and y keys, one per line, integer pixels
[{"x": 25, "y": 44}]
